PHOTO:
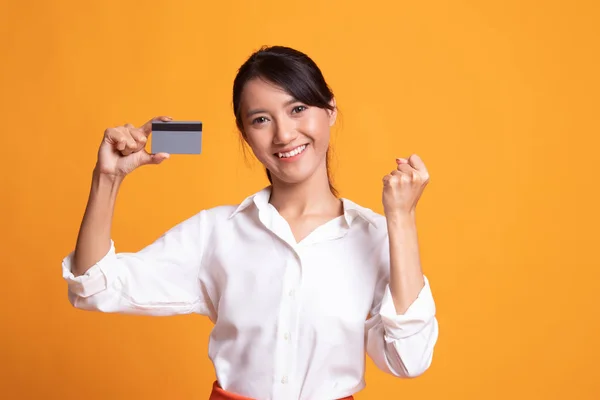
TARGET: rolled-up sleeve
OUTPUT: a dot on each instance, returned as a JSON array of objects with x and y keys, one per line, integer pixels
[
  {"x": 160, "y": 279},
  {"x": 403, "y": 344}
]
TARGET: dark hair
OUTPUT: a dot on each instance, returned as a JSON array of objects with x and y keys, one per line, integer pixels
[{"x": 294, "y": 72}]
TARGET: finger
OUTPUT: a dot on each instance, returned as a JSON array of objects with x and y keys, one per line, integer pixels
[
  {"x": 406, "y": 168},
  {"x": 419, "y": 165},
  {"x": 406, "y": 173},
  {"x": 416, "y": 162},
  {"x": 401, "y": 161},
  {"x": 127, "y": 143},
  {"x": 147, "y": 127},
  {"x": 396, "y": 178},
  {"x": 118, "y": 138},
  {"x": 121, "y": 144},
  {"x": 137, "y": 135}
]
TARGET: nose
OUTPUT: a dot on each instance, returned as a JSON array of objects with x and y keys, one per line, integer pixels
[{"x": 285, "y": 132}]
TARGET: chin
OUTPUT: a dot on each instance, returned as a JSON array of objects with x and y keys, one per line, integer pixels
[
  {"x": 291, "y": 179},
  {"x": 291, "y": 174}
]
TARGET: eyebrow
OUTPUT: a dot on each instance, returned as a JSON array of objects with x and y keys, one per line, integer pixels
[{"x": 259, "y": 111}]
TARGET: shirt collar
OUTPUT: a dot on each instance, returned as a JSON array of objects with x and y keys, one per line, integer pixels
[
  {"x": 261, "y": 200},
  {"x": 353, "y": 211}
]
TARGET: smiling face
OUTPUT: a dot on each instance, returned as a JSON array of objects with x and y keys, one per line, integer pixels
[{"x": 288, "y": 137}]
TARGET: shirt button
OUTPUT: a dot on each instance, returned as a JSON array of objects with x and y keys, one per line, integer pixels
[
  {"x": 284, "y": 379},
  {"x": 291, "y": 293},
  {"x": 286, "y": 336}
]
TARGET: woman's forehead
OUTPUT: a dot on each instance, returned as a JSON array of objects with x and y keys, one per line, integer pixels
[{"x": 260, "y": 91}]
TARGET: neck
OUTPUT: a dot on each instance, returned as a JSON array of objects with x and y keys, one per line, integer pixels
[{"x": 310, "y": 197}]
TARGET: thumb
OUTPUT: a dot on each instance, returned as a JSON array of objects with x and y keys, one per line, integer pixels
[
  {"x": 417, "y": 163},
  {"x": 147, "y": 158}
]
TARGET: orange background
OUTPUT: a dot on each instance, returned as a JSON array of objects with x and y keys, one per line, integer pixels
[{"x": 499, "y": 98}]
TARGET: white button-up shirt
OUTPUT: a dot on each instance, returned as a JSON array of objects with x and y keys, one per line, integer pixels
[{"x": 291, "y": 320}]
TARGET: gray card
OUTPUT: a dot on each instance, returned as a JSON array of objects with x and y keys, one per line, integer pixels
[{"x": 177, "y": 137}]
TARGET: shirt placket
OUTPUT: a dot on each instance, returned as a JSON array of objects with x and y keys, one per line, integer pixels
[
  {"x": 286, "y": 330},
  {"x": 285, "y": 343}
]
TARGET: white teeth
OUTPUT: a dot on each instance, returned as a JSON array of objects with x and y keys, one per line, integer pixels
[{"x": 292, "y": 153}]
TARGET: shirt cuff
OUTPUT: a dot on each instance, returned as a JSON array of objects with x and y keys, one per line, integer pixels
[
  {"x": 414, "y": 320},
  {"x": 96, "y": 279}
]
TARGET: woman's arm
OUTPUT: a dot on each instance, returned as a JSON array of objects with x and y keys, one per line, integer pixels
[
  {"x": 403, "y": 329},
  {"x": 402, "y": 190},
  {"x": 162, "y": 278},
  {"x": 121, "y": 151},
  {"x": 406, "y": 275},
  {"x": 93, "y": 240}
]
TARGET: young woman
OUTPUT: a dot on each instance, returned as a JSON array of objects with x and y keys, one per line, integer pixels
[{"x": 299, "y": 283}]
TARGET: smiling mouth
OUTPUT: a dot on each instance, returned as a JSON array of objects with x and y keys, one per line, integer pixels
[{"x": 295, "y": 152}]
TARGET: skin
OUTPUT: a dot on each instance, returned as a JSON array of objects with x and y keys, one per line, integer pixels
[
  {"x": 301, "y": 191},
  {"x": 402, "y": 189},
  {"x": 121, "y": 152},
  {"x": 272, "y": 122}
]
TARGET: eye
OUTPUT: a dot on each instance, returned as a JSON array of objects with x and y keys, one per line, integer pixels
[
  {"x": 259, "y": 120},
  {"x": 298, "y": 109}
]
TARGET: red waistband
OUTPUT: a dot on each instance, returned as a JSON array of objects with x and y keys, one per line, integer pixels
[{"x": 219, "y": 393}]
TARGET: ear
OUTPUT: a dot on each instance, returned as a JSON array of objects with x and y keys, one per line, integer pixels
[{"x": 332, "y": 113}]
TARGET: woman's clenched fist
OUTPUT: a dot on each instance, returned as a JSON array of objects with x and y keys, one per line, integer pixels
[
  {"x": 402, "y": 188},
  {"x": 123, "y": 149}
]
